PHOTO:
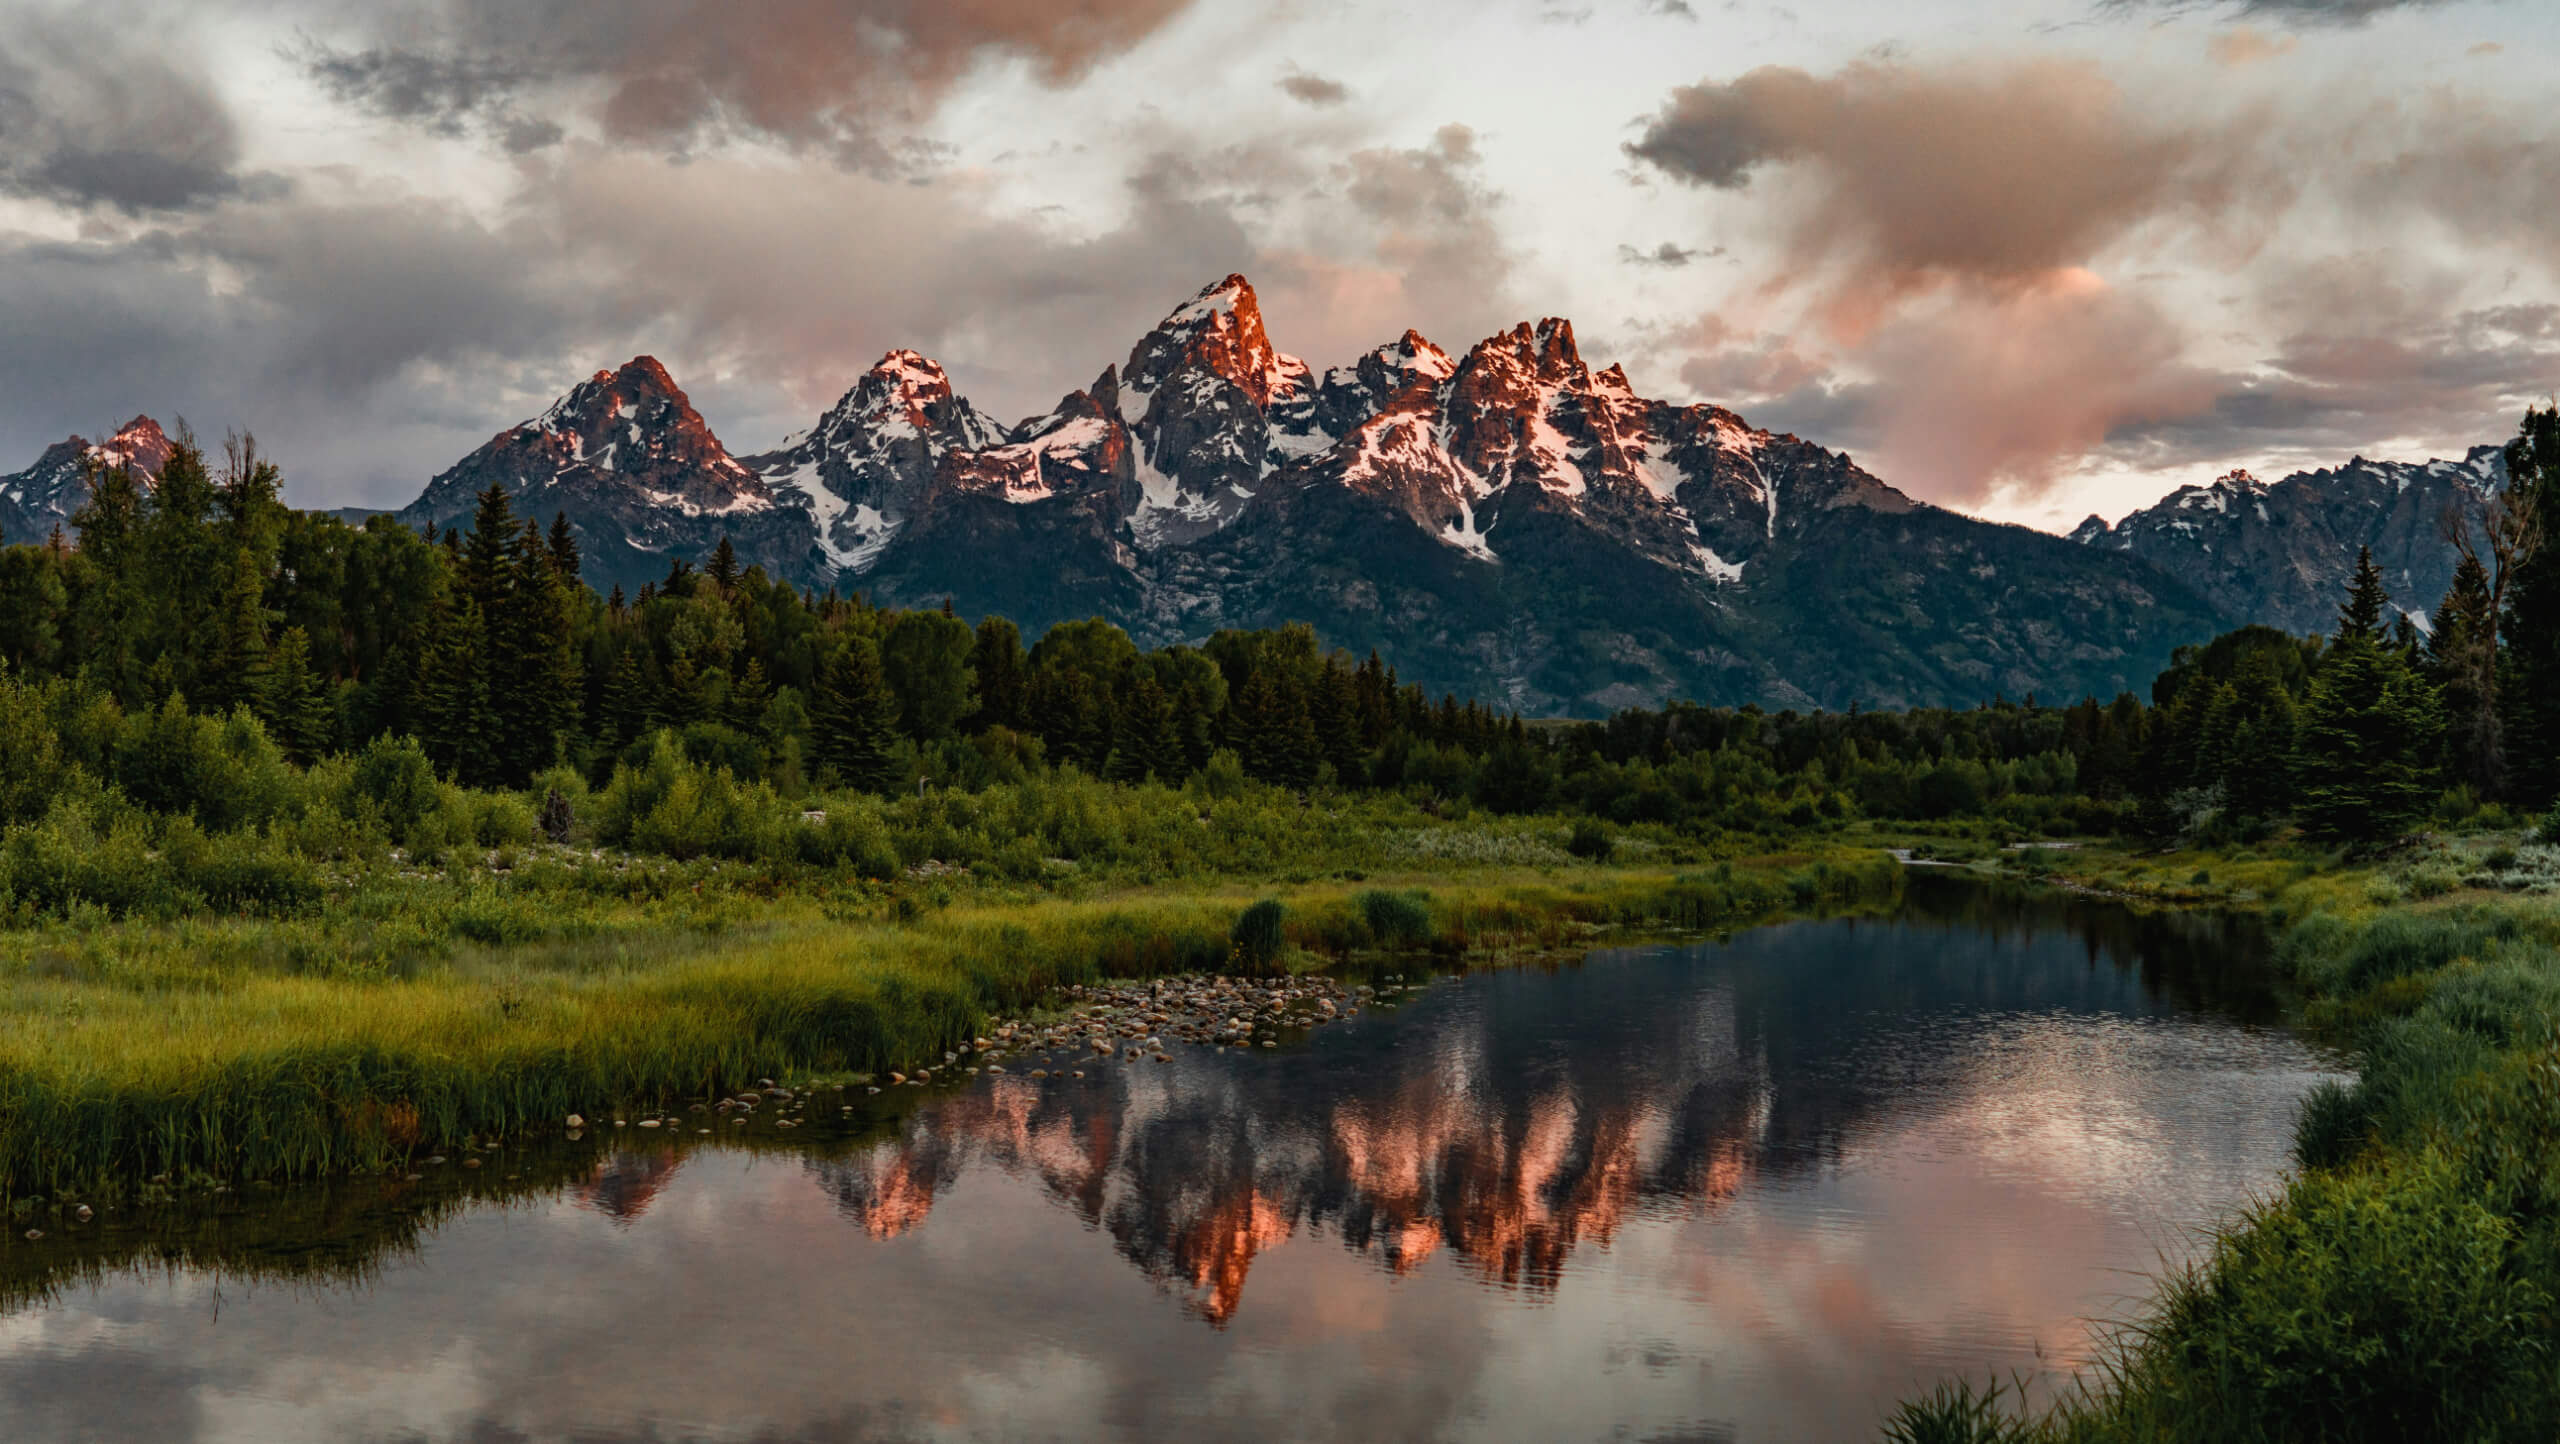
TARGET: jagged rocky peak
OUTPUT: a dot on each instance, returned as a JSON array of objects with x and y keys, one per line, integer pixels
[
  {"x": 906, "y": 393},
  {"x": 633, "y": 418},
  {"x": 46, "y": 495},
  {"x": 1398, "y": 364},
  {"x": 1210, "y": 404},
  {"x": 2281, "y": 552},
  {"x": 623, "y": 452},
  {"x": 1218, "y": 331},
  {"x": 139, "y": 444},
  {"x": 863, "y": 469},
  {"x": 1502, "y": 402}
]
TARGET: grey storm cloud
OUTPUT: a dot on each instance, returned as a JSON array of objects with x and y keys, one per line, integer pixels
[
  {"x": 447, "y": 94},
  {"x": 1670, "y": 255},
  {"x": 840, "y": 76},
  {"x": 1941, "y": 225},
  {"x": 89, "y": 117},
  {"x": 1314, "y": 89},
  {"x": 2369, "y": 353},
  {"x": 1917, "y": 174},
  {"x": 2311, "y": 12}
]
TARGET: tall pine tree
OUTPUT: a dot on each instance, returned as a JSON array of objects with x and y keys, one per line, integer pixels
[
  {"x": 294, "y": 700},
  {"x": 563, "y": 546},
  {"x": 2529, "y": 676},
  {"x": 2364, "y": 759},
  {"x": 854, "y": 723},
  {"x": 996, "y": 657},
  {"x": 2462, "y": 660}
]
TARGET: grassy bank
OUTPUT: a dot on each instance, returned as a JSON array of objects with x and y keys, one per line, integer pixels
[
  {"x": 2405, "y": 1284},
  {"x": 421, "y": 1008}
]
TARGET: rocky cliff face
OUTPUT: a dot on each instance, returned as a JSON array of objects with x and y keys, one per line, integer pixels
[
  {"x": 640, "y": 476},
  {"x": 2282, "y": 553},
  {"x": 1506, "y": 522},
  {"x": 46, "y": 495}
]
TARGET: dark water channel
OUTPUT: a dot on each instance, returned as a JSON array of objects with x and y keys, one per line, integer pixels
[{"x": 1748, "y": 1190}]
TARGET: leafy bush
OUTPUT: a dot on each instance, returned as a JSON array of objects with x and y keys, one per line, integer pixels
[
  {"x": 395, "y": 780},
  {"x": 2383, "y": 1305},
  {"x": 1396, "y": 919},
  {"x": 1258, "y": 937},
  {"x": 2432, "y": 880},
  {"x": 1590, "y": 841}
]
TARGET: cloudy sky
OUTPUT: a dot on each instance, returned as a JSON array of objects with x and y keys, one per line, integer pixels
[{"x": 2031, "y": 259}]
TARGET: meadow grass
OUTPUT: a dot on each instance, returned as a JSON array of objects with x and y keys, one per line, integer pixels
[{"x": 213, "y": 1049}]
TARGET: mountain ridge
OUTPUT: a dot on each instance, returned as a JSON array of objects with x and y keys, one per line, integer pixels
[
  {"x": 2281, "y": 552},
  {"x": 1505, "y": 522}
]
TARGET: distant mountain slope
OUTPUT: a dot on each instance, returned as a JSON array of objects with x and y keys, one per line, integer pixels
[
  {"x": 46, "y": 495},
  {"x": 2281, "y": 553},
  {"x": 639, "y": 475}
]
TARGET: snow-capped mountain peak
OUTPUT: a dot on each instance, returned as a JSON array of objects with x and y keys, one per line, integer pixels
[
  {"x": 48, "y": 494},
  {"x": 2281, "y": 552}
]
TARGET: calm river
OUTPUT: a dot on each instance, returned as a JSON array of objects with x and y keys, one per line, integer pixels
[{"x": 1747, "y": 1190}]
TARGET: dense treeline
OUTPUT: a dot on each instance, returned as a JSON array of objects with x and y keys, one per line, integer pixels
[{"x": 202, "y": 606}]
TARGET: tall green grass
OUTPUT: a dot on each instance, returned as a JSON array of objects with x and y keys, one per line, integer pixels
[{"x": 217, "y": 1050}]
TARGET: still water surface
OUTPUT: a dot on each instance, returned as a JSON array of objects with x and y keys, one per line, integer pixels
[{"x": 1748, "y": 1190}]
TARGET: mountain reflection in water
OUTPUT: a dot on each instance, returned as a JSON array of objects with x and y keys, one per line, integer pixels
[
  {"x": 1514, "y": 1119},
  {"x": 1745, "y": 1190}
]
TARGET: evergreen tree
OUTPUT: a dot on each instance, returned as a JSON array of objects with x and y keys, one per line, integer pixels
[
  {"x": 488, "y": 553},
  {"x": 995, "y": 656},
  {"x": 626, "y": 701},
  {"x": 2360, "y": 616},
  {"x": 294, "y": 702},
  {"x": 454, "y": 723},
  {"x": 1334, "y": 718},
  {"x": 855, "y": 720},
  {"x": 2256, "y": 749},
  {"x": 233, "y": 665},
  {"x": 2364, "y": 758},
  {"x": 2179, "y": 756},
  {"x": 2462, "y": 654},
  {"x": 534, "y": 660},
  {"x": 749, "y": 695},
  {"x": 1258, "y": 725},
  {"x": 723, "y": 570},
  {"x": 925, "y": 656},
  {"x": 1147, "y": 743},
  {"x": 563, "y": 545},
  {"x": 2529, "y": 677}
]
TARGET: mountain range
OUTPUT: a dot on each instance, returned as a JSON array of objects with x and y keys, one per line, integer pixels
[{"x": 1506, "y": 523}]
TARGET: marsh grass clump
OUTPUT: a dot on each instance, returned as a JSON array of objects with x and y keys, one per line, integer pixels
[
  {"x": 1955, "y": 1412},
  {"x": 1259, "y": 934},
  {"x": 2332, "y": 1126},
  {"x": 1396, "y": 919}
]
